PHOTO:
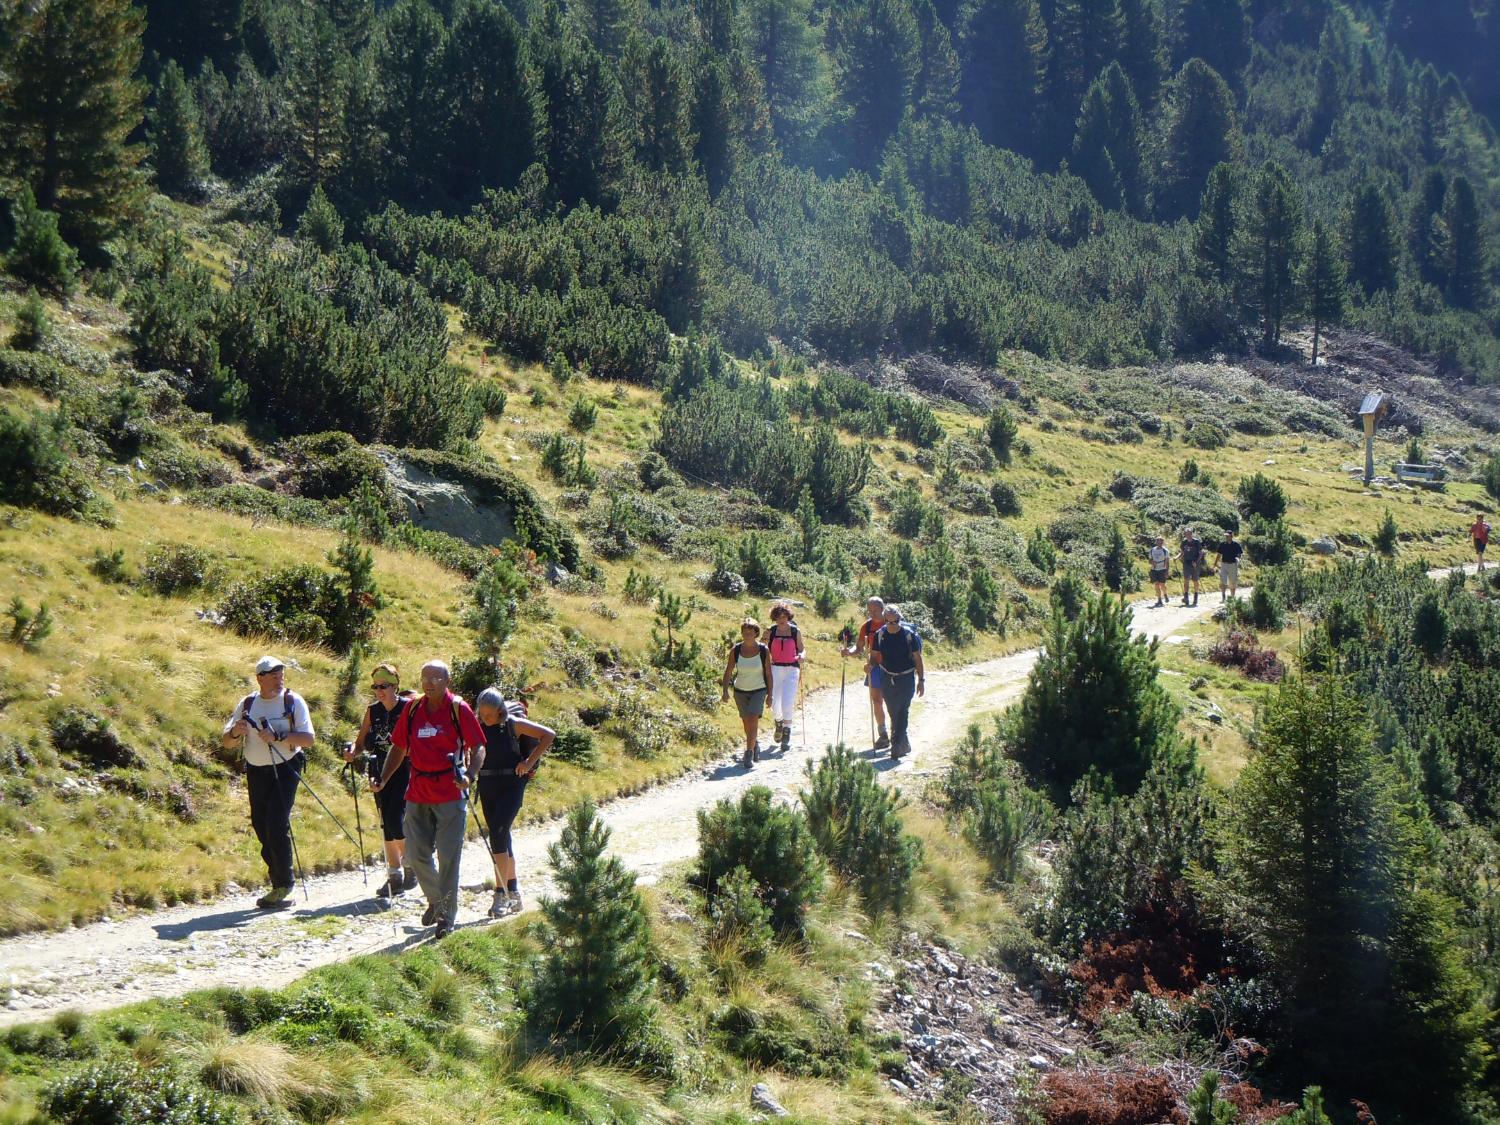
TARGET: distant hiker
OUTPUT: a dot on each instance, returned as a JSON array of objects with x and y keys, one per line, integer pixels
[
  {"x": 439, "y": 733},
  {"x": 1161, "y": 561},
  {"x": 784, "y": 640},
  {"x": 898, "y": 652},
  {"x": 374, "y": 740},
  {"x": 1479, "y": 531},
  {"x": 1229, "y": 565},
  {"x": 273, "y": 728},
  {"x": 864, "y": 643},
  {"x": 513, "y": 745},
  {"x": 1191, "y": 554},
  {"x": 748, "y": 670}
]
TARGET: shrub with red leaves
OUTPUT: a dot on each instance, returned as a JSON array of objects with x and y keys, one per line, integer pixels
[
  {"x": 1104, "y": 1097},
  {"x": 1264, "y": 665},
  {"x": 1240, "y": 649}
]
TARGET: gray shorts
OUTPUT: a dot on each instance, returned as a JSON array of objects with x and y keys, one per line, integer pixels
[
  {"x": 751, "y": 704},
  {"x": 1229, "y": 573}
]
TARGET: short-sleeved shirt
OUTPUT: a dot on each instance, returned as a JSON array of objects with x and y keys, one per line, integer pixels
[
  {"x": 866, "y": 634},
  {"x": 898, "y": 651},
  {"x": 1160, "y": 556},
  {"x": 1230, "y": 551},
  {"x": 1480, "y": 531},
  {"x": 1192, "y": 550},
  {"x": 273, "y": 712},
  {"x": 428, "y": 736}
]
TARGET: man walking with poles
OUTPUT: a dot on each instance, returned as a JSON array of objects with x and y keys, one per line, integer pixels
[
  {"x": 273, "y": 729},
  {"x": 439, "y": 733}
]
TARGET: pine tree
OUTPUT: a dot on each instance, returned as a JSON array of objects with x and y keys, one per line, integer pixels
[
  {"x": 1004, "y": 51},
  {"x": 1202, "y": 133},
  {"x": 321, "y": 225},
  {"x": 316, "y": 73},
  {"x": 809, "y": 525},
  {"x": 1093, "y": 702},
  {"x": 493, "y": 108},
  {"x": 672, "y": 615},
  {"x": 1107, "y": 144},
  {"x": 356, "y": 596},
  {"x": 1325, "y": 285},
  {"x": 713, "y": 121},
  {"x": 1085, "y": 36},
  {"x": 1217, "y": 228},
  {"x": 1272, "y": 249},
  {"x": 594, "y": 981},
  {"x": 1328, "y": 102},
  {"x": 1322, "y": 869},
  {"x": 69, "y": 102},
  {"x": 718, "y": 25},
  {"x": 39, "y": 254},
  {"x": 177, "y": 150},
  {"x": 606, "y": 24},
  {"x": 1143, "y": 51},
  {"x": 408, "y": 65},
  {"x": 936, "y": 93},
  {"x": 1424, "y": 227},
  {"x": 1467, "y": 250},
  {"x": 189, "y": 33},
  {"x": 365, "y": 168},
  {"x": 586, "y": 134},
  {"x": 779, "y": 38},
  {"x": 1370, "y": 235},
  {"x": 660, "y": 101},
  {"x": 878, "y": 49},
  {"x": 1216, "y": 31},
  {"x": 354, "y": 20}
]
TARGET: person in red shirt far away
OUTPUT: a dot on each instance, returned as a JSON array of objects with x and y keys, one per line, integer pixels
[
  {"x": 439, "y": 733},
  {"x": 1480, "y": 533}
]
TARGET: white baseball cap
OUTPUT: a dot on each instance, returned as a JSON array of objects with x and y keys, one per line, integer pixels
[{"x": 268, "y": 664}]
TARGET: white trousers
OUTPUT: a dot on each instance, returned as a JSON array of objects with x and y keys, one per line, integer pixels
[{"x": 784, "y": 679}]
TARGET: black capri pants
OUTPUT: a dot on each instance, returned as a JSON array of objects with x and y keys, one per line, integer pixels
[
  {"x": 500, "y": 795},
  {"x": 391, "y": 800}
]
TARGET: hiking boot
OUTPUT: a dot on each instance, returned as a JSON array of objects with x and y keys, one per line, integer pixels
[
  {"x": 883, "y": 742},
  {"x": 392, "y": 886},
  {"x": 1158, "y": 604},
  {"x": 409, "y": 881},
  {"x": 749, "y": 759},
  {"x": 430, "y": 915},
  {"x": 277, "y": 898},
  {"x": 444, "y": 928},
  {"x": 900, "y": 749},
  {"x": 500, "y": 905},
  {"x": 1195, "y": 599},
  {"x": 515, "y": 904},
  {"x": 786, "y": 736}
]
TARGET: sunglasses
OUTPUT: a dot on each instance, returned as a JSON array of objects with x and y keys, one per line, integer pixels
[{"x": 382, "y": 687}]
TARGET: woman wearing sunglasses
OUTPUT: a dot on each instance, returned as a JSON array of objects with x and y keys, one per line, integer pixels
[{"x": 374, "y": 738}]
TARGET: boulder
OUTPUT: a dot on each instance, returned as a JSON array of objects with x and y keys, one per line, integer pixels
[
  {"x": 762, "y": 1100},
  {"x": 437, "y": 504},
  {"x": 1324, "y": 545}
]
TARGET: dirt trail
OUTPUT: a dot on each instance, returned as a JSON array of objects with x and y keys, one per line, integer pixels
[{"x": 228, "y": 942}]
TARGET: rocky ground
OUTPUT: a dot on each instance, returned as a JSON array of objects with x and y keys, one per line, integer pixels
[{"x": 957, "y": 1017}]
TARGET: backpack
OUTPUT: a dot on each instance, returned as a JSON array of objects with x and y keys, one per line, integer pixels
[
  {"x": 286, "y": 703},
  {"x": 409, "y": 713},
  {"x": 521, "y": 745},
  {"x": 773, "y": 640},
  {"x": 908, "y": 635}
]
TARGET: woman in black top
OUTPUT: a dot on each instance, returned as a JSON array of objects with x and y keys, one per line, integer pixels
[
  {"x": 513, "y": 745},
  {"x": 374, "y": 738}
]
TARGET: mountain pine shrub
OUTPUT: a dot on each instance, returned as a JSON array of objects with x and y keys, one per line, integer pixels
[{"x": 773, "y": 843}]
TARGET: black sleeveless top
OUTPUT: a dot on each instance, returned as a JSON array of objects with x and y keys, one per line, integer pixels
[{"x": 382, "y": 722}]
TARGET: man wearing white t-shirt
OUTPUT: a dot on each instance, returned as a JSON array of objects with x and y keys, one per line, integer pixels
[{"x": 273, "y": 728}]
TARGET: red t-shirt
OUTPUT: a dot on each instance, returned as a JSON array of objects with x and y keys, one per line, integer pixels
[{"x": 428, "y": 737}]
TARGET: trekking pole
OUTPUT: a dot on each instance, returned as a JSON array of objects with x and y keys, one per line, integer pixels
[
  {"x": 838, "y": 738},
  {"x": 324, "y": 805},
  {"x": 802, "y": 711},
  {"x": 276, "y": 761},
  {"x": 354, "y": 780}
]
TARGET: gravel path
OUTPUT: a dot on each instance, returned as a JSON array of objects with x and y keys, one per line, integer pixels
[{"x": 228, "y": 942}]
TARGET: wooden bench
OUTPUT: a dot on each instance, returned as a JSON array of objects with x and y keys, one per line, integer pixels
[{"x": 1428, "y": 476}]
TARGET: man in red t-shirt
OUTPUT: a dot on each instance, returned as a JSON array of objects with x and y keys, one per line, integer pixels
[
  {"x": 436, "y": 731},
  {"x": 1480, "y": 533}
]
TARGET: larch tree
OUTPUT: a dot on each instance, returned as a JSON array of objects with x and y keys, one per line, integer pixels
[
  {"x": 1202, "y": 132},
  {"x": 1217, "y": 226},
  {"x": 69, "y": 103},
  {"x": 1370, "y": 235},
  {"x": 1467, "y": 258},
  {"x": 1107, "y": 144},
  {"x": 175, "y": 130},
  {"x": 1325, "y": 285},
  {"x": 1272, "y": 249},
  {"x": 779, "y": 38},
  {"x": 878, "y": 60}
]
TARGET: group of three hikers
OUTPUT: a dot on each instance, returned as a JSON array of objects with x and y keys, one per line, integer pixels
[{"x": 422, "y": 750}]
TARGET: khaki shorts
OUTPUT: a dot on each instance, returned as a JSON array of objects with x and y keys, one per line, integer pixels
[
  {"x": 751, "y": 704},
  {"x": 1229, "y": 573}
]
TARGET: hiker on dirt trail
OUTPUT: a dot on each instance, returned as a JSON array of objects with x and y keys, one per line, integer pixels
[
  {"x": 1161, "y": 562},
  {"x": 784, "y": 640},
  {"x": 439, "y": 733},
  {"x": 1191, "y": 554},
  {"x": 1479, "y": 531},
  {"x": 1229, "y": 565},
  {"x": 748, "y": 670},
  {"x": 513, "y": 745},
  {"x": 874, "y": 677},
  {"x": 273, "y": 729},
  {"x": 371, "y": 745},
  {"x": 898, "y": 652}
]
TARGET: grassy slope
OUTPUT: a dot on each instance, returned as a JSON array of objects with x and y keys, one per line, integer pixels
[
  {"x": 165, "y": 679},
  {"x": 435, "y": 1034}
]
